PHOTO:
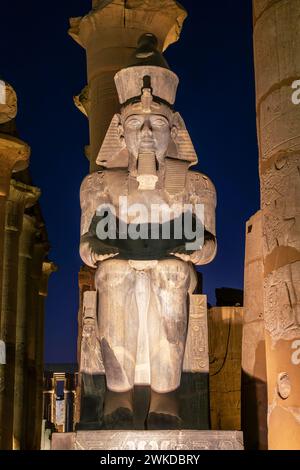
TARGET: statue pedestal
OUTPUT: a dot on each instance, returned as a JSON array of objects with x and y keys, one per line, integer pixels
[{"x": 148, "y": 440}]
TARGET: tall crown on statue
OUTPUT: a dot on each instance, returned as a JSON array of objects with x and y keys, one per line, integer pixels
[{"x": 146, "y": 86}]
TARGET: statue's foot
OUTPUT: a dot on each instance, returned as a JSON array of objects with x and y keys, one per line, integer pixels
[
  {"x": 163, "y": 421},
  {"x": 121, "y": 418}
]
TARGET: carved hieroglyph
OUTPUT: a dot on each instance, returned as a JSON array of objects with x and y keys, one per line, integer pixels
[
  {"x": 196, "y": 348},
  {"x": 91, "y": 358},
  {"x": 277, "y": 67},
  {"x": 154, "y": 440}
]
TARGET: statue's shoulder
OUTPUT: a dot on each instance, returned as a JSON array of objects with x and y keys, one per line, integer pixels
[
  {"x": 92, "y": 182},
  {"x": 102, "y": 179},
  {"x": 198, "y": 181},
  {"x": 116, "y": 177}
]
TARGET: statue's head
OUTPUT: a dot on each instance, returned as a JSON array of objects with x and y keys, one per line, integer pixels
[
  {"x": 147, "y": 126},
  {"x": 147, "y": 122}
]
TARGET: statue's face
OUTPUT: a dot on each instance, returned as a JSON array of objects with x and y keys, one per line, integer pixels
[{"x": 147, "y": 132}]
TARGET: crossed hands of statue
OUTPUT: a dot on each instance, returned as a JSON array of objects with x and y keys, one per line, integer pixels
[
  {"x": 199, "y": 257},
  {"x": 194, "y": 257}
]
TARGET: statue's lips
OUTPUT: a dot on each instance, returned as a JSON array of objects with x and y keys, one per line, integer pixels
[{"x": 148, "y": 144}]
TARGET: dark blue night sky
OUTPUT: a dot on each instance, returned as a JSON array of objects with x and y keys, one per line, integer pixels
[{"x": 216, "y": 97}]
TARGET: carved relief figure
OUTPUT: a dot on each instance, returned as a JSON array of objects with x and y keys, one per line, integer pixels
[{"x": 143, "y": 284}]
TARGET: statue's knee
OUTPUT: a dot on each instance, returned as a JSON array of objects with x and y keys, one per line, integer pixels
[
  {"x": 171, "y": 274},
  {"x": 112, "y": 273}
]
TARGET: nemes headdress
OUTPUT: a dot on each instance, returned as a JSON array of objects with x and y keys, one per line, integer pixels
[{"x": 147, "y": 86}]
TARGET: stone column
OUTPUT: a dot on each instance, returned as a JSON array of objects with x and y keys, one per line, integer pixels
[
  {"x": 109, "y": 33},
  {"x": 47, "y": 269},
  {"x": 14, "y": 156},
  {"x": 40, "y": 251},
  {"x": 23, "y": 312},
  {"x": 254, "y": 374},
  {"x": 69, "y": 395},
  {"x": 47, "y": 398},
  {"x": 277, "y": 67},
  {"x": 20, "y": 196}
]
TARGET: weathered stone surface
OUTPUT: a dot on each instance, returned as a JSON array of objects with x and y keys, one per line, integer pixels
[
  {"x": 277, "y": 66},
  {"x": 160, "y": 17},
  {"x": 8, "y": 102},
  {"x": 254, "y": 376},
  {"x": 20, "y": 196},
  {"x": 2, "y": 354},
  {"x": 225, "y": 353},
  {"x": 109, "y": 34},
  {"x": 277, "y": 30},
  {"x": 142, "y": 330},
  {"x": 282, "y": 300},
  {"x": 259, "y": 6},
  {"x": 91, "y": 358},
  {"x": 148, "y": 440},
  {"x": 281, "y": 211},
  {"x": 253, "y": 285},
  {"x": 278, "y": 129},
  {"x": 196, "y": 348}
]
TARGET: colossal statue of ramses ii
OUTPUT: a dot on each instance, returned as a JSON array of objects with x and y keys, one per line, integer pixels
[{"x": 145, "y": 267}]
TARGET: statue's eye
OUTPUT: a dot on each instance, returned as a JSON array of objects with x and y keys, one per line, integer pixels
[
  {"x": 160, "y": 123},
  {"x": 133, "y": 123}
]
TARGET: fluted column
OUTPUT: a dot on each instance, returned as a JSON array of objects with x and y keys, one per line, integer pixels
[
  {"x": 23, "y": 312},
  {"x": 47, "y": 269},
  {"x": 20, "y": 196},
  {"x": 277, "y": 67},
  {"x": 109, "y": 33},
  {"x": 40, "y": 251},
  {"x": 14, "y": 156}
]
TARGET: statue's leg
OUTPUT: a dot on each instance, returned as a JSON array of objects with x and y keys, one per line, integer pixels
[
  {"x": 118, "y": 323},
  {"x": 167, "y": 323}
]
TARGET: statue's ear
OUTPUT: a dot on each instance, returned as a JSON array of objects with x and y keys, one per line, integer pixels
[
  {"x": 113, "y": 152},
  {"x": 181, "y": 146}
]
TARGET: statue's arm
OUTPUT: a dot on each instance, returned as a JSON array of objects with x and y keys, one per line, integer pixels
[
  {"x": 92, "y": 195},
  {"x": 201, "y": 190}
]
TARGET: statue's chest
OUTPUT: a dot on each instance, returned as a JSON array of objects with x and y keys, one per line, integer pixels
[{"x": 123, "y": 189}]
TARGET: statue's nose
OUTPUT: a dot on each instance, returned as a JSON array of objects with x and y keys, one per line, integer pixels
[{"x": 147, "y": 129}]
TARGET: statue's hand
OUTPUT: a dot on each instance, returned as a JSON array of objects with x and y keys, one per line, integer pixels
[{"x": 182, "y": 254}]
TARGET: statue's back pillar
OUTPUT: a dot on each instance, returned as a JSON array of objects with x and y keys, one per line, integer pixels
[
  {"x": 109, "y": 34},
  {"x": 277, "y": 67}
]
